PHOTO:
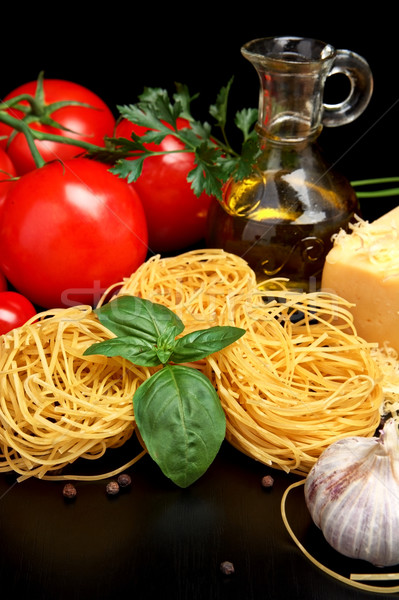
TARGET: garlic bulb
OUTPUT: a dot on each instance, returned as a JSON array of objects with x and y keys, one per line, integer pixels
[{"x": 352, "y": 493}]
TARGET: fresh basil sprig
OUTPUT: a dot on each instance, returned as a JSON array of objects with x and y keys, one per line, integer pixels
[{"x": 177, "y": 410}]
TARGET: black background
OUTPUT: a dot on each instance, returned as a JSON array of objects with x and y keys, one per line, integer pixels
[
  {"x": 118, "y": 49},
  {"x": 158, "y": 540}
]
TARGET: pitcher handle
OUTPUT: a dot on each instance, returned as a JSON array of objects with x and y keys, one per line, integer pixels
[{"x": 360, "y": 76}]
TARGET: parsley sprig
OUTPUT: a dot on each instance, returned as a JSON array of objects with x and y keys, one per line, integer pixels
[{"x": 215, "y": 158}]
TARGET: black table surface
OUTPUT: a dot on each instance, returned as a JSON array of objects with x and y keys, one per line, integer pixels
[{"x": 157, "y": 540}]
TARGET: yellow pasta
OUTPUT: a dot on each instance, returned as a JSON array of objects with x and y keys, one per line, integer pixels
[
  {"x": 196, "y": 285},
  {"x": 55, "y": 405},
  {"x": 387, "y": 360},
  {"x": 355, "y": 580},
  {"x": 299, "y": 379}
]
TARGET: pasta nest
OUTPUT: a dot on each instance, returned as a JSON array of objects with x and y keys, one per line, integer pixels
[
  {"x": 196, "y": 285},
  {"x": 57, "y": 405},
  {"x": 299, "y": 379}
]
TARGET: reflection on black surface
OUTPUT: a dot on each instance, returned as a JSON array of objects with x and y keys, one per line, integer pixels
[{"x": 158, "y": 540}]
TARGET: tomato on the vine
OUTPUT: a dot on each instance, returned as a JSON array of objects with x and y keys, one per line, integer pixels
[
  {"x": 176, "y": 216},
  {"x": 90, "y": 124},
  {"x": 7, "y": 172},
  {"x": 70, "y": 230},
  {"x": 3, "y": 283},
  {"x": 15, "y": 310}
]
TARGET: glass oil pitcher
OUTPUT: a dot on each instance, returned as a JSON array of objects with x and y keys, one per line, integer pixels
[{"x": 282, "y": 217}]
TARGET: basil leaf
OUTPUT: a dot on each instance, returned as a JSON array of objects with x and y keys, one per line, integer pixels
[
  {"x": 166, "y": 343},
  {"x": 139, "y": 352},
  {"x": 134, "y": 316},
  {"x": 181, "y": 421},
  {"x": 201, "y": 343}
]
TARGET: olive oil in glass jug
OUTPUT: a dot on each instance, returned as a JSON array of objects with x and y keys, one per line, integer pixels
[{"x": 281, "y": 218}]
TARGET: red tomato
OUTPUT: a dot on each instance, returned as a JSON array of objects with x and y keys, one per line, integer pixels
[
  {"x": 83, "y": 123},
  {"x": 7, "y": 170},
  {"x": 176, "y": 218},
  {"x": 3, "y": 283},
  {"x": 15, "y": 310},
  {"x": 70, "y": 230}
]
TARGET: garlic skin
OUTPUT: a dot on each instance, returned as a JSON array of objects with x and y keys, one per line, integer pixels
[{"x": 352, "y": 494}]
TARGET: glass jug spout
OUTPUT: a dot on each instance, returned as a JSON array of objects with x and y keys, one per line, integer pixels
[{"x": 293, "y": 73}]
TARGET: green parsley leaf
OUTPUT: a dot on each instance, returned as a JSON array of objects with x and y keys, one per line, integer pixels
[
  {"x": 149, "y": 116},
  {"x": 128, "y": 169},
  {"x": 219, "y": 109},
  {"x": 207, "y": 173},
  {"x": 245, "y": 120},
  {"x": 215, "y": 159},
  {"x": 183, "y": 97}
]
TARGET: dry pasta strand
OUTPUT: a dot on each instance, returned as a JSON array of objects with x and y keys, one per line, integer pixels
[
  {"x": 55, "y": 404},
  {"x": 196, "y": 285},
  {"x": 354, "y": 580},
  {"x": 298, "y": 380}
]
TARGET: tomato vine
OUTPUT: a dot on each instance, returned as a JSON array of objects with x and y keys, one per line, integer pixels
[{"x": 216, "y": 160}]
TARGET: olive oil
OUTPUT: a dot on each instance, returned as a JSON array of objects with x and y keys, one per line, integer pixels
[
  {"x": 281, "y": 224},
  {"x": 282, "y": 217}
]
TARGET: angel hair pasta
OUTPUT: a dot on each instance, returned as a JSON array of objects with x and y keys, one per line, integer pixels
[
  {"x": 300, "y": 377},
  {"x": 298, "y": 380},
  {"x": 55, "y": 405}
]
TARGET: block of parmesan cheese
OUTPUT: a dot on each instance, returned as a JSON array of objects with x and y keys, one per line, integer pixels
[{"x": 363, "y": 268}]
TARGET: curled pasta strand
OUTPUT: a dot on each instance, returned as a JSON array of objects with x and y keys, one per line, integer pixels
[
  {"x": 57, "y": 405},
  {"x": 299, "y": 379}
]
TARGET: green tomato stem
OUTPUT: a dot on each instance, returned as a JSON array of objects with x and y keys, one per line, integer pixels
[
  {"x": 20, "y": 125},
  {"x": 32, "y": 135},
  {"x": 36, "y": 108}
]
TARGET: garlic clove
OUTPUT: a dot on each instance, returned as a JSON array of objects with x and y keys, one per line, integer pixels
[{"x": 352, "y": 494}]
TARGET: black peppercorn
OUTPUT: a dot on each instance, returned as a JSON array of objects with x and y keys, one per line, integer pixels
[
  {"x": 267, "y": 481},
  {"x": 112, "y": 488},
  {"x": 227, "y": 567},
  {"x": 124, "y": 480},
  {"x": 69, "y": 491}
]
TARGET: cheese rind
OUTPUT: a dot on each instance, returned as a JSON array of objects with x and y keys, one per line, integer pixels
[{"x": 363, "y": 268}]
